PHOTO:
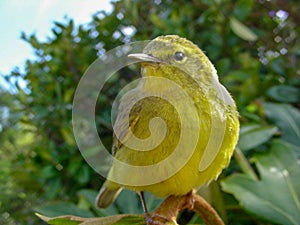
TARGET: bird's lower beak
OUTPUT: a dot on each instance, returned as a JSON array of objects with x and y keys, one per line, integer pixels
[{"x": 144, "y": 57}]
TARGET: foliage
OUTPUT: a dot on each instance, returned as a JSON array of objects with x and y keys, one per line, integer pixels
[
  {"x": 255, "y": 48},
  {"x": 278, "y": 174}
]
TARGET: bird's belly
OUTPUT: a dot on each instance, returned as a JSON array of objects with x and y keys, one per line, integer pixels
[{"x": 184, "y": 178}]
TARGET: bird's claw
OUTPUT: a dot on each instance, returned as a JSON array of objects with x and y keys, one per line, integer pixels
[{"x": 190, "y": 200}]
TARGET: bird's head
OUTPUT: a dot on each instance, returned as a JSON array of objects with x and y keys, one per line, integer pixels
[{"x": 172, "y": 53}]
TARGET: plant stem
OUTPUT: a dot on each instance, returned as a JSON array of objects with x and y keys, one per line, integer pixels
[{"x": 244, "y": 164}]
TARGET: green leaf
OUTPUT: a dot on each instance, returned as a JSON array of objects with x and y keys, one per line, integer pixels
[
  {"x": 278, "y": 66},
  {"x": 152, "y": 201},
  {"x": 123, "y": 219},
  {"x": 254, "y": 135},
  {"x": 157, "y": 21},
  {"x": 67, "y": 134},
  {"x": 237, "y": 76},
  {"x": 90, "y": 196},
  {"x": 223, "y": 66},
  {"x": 241, "y": 30},
  {"x": 275, "y": 197},
  {"x": 52, "y": 188},
  {"x": 63, "y": 221},
  {"x": 60, "y": 25},
  {"x": 83, "y": 174},
  {"x": 284, "y": 93},
  {"x": 62, "y": 208},
  {"x": 242, "y": 8},
  {"x": 287, "y": 118},
  {"x": 127, "y": 202},
  {"x": 130, "y": 220}
]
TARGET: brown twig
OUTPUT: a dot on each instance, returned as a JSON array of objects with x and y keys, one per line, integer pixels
[
  {"x": 170, "y": 208},
  {"x": 206, "y": 211}
]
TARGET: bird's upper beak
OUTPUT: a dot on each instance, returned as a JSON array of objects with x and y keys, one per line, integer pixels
[{"x": 144, "y": 57}]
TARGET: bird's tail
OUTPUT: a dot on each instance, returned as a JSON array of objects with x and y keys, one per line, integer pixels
[{"x": 106, "y": 196}]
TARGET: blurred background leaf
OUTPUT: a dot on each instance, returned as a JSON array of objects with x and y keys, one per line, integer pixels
[
  {"x": 254, "y": 135},
  {"x": 287, "y": 118},
  {"x": 241, "y": 30}
]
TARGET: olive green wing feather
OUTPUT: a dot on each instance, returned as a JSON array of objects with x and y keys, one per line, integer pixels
[
  {"x": 110, "y": 191},
  {"x": 124, "y": 125}
]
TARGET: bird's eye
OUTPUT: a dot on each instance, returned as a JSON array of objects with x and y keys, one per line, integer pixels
[{"x": 179, "y": 56}]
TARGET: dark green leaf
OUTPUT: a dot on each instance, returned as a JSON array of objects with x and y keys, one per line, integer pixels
[
  {"x": 242, "y": 8},
  {"x": 287, "y": 118},
  {"x": 90, "y": 196},
  {"x": 252, "y": 136},
  {"x": 83, "y": 174},
  {"x": 110, "y": 220},
  {"x": 284, "y": 93},
  {"x": 223, "y": 66},
  {"x": 128, "y": 201},
  {"x": 62, "y": 208},
  {"x": 60, "y": 25},
  {"x": 278, "y": 66},
  {"x": 276, "y": 196},
  {"x": 52, "y": 188}
]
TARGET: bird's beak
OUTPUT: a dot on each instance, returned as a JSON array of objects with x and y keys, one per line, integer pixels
[{"x": 144, "y": 57}]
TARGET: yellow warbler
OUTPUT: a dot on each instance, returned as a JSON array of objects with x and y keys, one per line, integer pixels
[{"x": 182, "y": 129}]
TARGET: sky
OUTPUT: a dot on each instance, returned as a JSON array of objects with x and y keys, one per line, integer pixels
[{"x": 37, "y": 16}]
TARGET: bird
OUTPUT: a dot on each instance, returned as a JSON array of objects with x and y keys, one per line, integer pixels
[{"x": 184, "y": 122}]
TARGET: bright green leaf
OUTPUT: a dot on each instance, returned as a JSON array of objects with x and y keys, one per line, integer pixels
[
  {"x": 276, "y": 196},
  {"x": 241, "y": 30},
  {"x": 130, "y": 220},
  {"x": 63, "y": 221}
]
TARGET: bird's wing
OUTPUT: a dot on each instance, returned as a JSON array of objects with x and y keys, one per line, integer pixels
[{"x": 122, "y": 125}]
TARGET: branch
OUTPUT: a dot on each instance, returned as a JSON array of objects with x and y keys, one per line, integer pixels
[
  {"x": 244, "y": 164},
  {"x": 170, "y": 208}
]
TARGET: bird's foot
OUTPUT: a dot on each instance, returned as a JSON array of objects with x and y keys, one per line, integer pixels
[
  {"x": 189, "y": 200},
  {"x": 156, "y": 219}
]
